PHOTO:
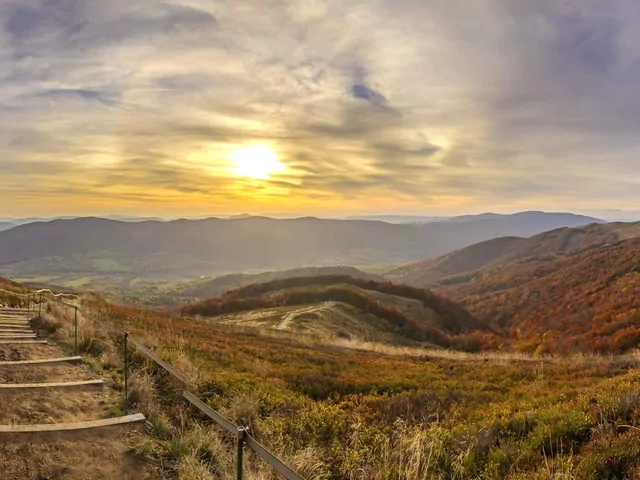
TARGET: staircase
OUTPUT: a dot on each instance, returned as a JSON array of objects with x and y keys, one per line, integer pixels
[{"x": 54, "y": 415}]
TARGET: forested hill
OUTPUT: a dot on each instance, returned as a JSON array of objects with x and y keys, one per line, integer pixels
[{"x": 588, "y": 300}]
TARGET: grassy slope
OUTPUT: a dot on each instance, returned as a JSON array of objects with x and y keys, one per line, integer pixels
[
  {"x": 348, "y": 414},
  {"x": 321, "y": 323},
  {"x": 7, "y": 298}
]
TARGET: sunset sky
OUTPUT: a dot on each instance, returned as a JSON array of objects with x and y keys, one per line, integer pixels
[{"x": 192, "y": 107}]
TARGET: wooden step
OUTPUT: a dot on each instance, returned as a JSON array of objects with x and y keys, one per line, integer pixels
[
  {"x": 24, "y": 387},
  {"x": 45, "y": 361},
  {"x": 4, "y": 341},
  {"x": 68, "y": 427},
  {"x": 17, "y": 336}
]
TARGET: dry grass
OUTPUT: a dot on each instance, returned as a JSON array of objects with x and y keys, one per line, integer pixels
[
  {"x": 385, "y": 349},
  {"x": 142, "y": 392},
  {"x": 309, "y": 464},
  {"x": 192, "y": 469},
  {"x": 332, "y": 410}
]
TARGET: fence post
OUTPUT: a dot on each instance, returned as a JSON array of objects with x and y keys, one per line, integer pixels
[
  {"x": 40, "y": 306},
  {"x": 242, "y": 433},
  {"x": 126, "y": 374},
  {"x": 75, "y": 331}
]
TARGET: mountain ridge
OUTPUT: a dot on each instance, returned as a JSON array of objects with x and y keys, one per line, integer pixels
[
  {"x": 506, "y": 249},
  {"x": 220, "y": 245}
]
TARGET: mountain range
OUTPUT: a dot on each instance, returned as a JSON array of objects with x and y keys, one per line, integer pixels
[{"x": 216, "y": 245}]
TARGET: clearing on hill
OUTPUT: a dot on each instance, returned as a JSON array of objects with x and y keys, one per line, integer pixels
[{"x": 346, "y": 307}]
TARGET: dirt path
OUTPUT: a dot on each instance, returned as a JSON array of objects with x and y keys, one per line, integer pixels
[
  {"x": 87, "y": 455},
  {"x": 289, "y": 317}
]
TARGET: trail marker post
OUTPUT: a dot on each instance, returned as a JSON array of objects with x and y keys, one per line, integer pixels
[
  {"x": 126, "y": 374},
  {"x": 242, "y": 434},
  {"x": 75, "y": 331}
]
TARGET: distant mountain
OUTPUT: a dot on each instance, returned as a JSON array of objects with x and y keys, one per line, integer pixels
[
  {"x": 6, "y": 226},
  {"x": 506, "y": 249},
  {"x": 196, "y": 247},
  {"x": 486, "y": 216},
  {"x": 124, "y": 218},
  {"x": 220, "y": 285},
  {"x": 398, "y": 218},
  {"x": 540, "y": 218},
  {"x": 585, "y": 300}
]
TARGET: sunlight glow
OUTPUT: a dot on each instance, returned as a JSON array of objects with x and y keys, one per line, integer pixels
[{"x": 258, "y": 162}]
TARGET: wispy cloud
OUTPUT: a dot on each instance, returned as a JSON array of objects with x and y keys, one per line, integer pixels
[{"x": 389, "y": 105}]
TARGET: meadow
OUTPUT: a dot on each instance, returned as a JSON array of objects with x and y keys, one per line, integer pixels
[{"x": 352, "y": 411}]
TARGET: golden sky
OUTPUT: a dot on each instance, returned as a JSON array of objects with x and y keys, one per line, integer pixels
[{"x": 194, "y": 107}]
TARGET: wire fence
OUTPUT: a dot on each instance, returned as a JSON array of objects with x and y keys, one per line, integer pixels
[{"x": 243, "y": 438}]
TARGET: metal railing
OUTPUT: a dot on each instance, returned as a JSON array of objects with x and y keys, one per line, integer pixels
[{"x": 243, "y": 438}]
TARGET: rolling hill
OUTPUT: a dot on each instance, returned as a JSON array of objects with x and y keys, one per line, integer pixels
[
  {"x": 404, "y": 312},
  {"x": 210, "y": 246},
  {"x": 507, "y": 249},
  {"x": 586, "y": 300}
]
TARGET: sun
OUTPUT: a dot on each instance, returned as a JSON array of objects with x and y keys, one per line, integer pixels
[{"x": 258, "y": 162}]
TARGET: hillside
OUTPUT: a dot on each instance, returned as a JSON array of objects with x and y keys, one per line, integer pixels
[
  {"x": 6, "y": 299},
  {"x": 587, "y": 300},
  {"x": 507, "y": 249},
  {"x": 220, "y": 285},
  {"x": 411, "y": 313},
  {"x": 210, "y": 246},
  {"x": 370, "y": 412}
]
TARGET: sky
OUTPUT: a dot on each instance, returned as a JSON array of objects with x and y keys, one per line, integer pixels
[{"x": 192, "y": 107}]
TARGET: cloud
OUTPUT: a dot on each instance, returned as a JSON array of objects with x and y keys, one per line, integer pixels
[{"x": 384, "y": 105}]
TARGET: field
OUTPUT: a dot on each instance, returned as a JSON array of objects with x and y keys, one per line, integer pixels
[{"x": 366, "y": 411}]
